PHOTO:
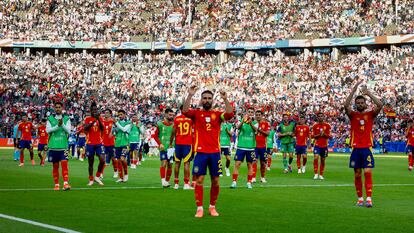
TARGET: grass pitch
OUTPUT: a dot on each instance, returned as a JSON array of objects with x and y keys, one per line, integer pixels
[{"x": 287, "y": 203}]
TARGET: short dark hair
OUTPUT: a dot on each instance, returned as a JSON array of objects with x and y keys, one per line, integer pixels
[
  {"x": 302, "y": 116},
  {"x": 168, "y": 110},
  {"x": 285, "y": 114},
  {"x": 259, "y": 110},
  {"x": 109, "y": 110},
  {"x": 93, "y": 104},
  {"x": 44, "y": 120},
  {"x": 121, "y": 111},
  {"x": 59, "y": 103},
  {"x": 360, "y": 97},
  {"x": 207, "y": 91}
]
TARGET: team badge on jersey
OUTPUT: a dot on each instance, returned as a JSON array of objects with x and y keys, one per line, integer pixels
[{"x": 208, "y": 119}]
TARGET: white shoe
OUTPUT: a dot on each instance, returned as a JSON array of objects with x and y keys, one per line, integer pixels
[
  {"x": 81, "y": 159},
  {"x": 253, "y": 180},
  {"x": 90, "y": 183},
  {"x": 165, "y": 184},
  {"x": 133, "y": 166},
  {"x": 268, "y": 168},
  {"x": 119, "y": 180},
  {"x": 233, "y": 185},
  {"x": 410, "y": 168},
  {"x": 143, "y": 159},
  {"x": 125, "y": 178},
  {"x": 176, "y": 186},
  {"x": 101, "y": 177},
  {"x": 221, "y": 175},
  {"x": 227, "y": 172},
  {"x": 321, "y": 177},
  {"x": 139, "y": 164},
  {"x": 97, "y": 180},
  {"x": 263, "y": 180},
  {"x": 187, "y": 187},
  {"x": 115, "y": 175},
  {"x": 249, "y": 185},
  {"x": 285, "y": 171},
  {"x": 303, "y": 169},
  {"x": 316, "y": 176},
  {"x": 299, "y": 171}
]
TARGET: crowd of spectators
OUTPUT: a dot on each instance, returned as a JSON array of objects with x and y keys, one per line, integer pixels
[
  {"x": 202, "y": 20},
  {"x": 148, "y": 83}
]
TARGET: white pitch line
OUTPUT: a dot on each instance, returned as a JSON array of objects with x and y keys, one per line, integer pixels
[
  {"x": 158, "y": 187},
  {"x": 61, "y": 229}
]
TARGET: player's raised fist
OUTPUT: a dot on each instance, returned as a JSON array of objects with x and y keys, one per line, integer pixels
[
  {"x": 192, "y": 90},
  {"x": 223, "y": 94}
]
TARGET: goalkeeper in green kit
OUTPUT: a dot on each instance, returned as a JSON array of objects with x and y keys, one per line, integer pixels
[{"x": 285, "y": 133}]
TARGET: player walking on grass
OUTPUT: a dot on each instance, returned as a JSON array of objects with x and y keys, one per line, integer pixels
[
  {"x": 134, "y": 140},
  {"x": 43, "y": 140},
  {"x": 16, "y": 135},
  {"x": 262, "y": 132},
  {"x": 94, "y": 129},
  {"x": 271, "y": 146},
  {"x": 302, "y": 134},
  {"x": 285, "y": 133},
  {"x": 58, "y": 127},
  {"x": 246, "y": 143},
  {"x": 81, "y": 142},
  {"x": 109, "y": 141},
  {"x": 410, "y": 144},
  {"x": 162, "y": 137},
  {"x": 25, "y": 142},
  {"x": 121, "y": 145},
  {"x": 362, "y": 122},
  {"x": 207, "y": 133},
  {"x": 321, "y": 132},
  {"x": 183, "y": 135},
  {"x": 225, "y": 143}
]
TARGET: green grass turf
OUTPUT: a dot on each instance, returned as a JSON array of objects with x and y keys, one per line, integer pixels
[{"x": 262, "y": 209}]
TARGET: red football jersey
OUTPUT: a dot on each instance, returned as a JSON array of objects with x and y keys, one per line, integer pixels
[
  {"x": 43, "y": 136},
  {"x": 207, "y": 129},
  {"x": 260, "y": 138},
  {"x": 302, "y": 133},
  {"x": 361, "y": 129},
  {"x": 317, "y": 129},
  {"x": 26, "y": 129},
  {"x": 410, "y": 136},
  {"x": 108, "y": 138},
  {"x": 94, "y": 134},
  {"x": 183, "y": 127}
]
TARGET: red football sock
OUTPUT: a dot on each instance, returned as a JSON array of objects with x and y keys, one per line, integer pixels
[
  {"x": 262, "y": 169},
  {"x": 65, "y": 170},
  {"x": 175, "y": 180},
  {"x": 198, "y": 194},
  {"x": 168, "y": 176},
  {"x": 214, "y": 192},
  {"x": 249, "y": 178},
  {"x": 305, "y": 159},
  {"x": 186, "y": 180},
  {"x": 90, "y": 178},
  {"x": 322, "y": 168},
  {"x": 358, "y": 185},
  {"x": 120, "y": 170},
  {"x": 368, "y": 183},
  {"x": 235, "y": 176},
  {"x": 315, "y": 166},
  {"x": 115, "y": 164},
  {"x": 298, "y": 161},
  {"x": 125, "y": 165},
  {"x": 134, "y": 162},
  {"x": 55, "y": 173},
  {"x": 21, "y": 156},
  {"x": 162, "y": 172},
  {"x": 269, "y": 161},
  {"x": 254, "y": 165},
  {"x": 410, "y": 160}
]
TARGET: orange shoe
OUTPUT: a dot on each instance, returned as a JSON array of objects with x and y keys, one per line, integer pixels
[
  {"x": 33, "y": 162},
  {"x": 200, "y": 213},
  {"x": 213, "y": 211},
  {"x": 57, "y": 187},
  {"x": 66, "y": 187}
]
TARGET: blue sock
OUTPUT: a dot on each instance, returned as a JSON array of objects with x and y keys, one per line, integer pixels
[{"x": 16, "y": 155}]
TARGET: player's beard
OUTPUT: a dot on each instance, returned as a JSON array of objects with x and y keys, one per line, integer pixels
[
  {"x": 361, "y": 109},
  {"x": 170, "y": 119},
  {"x": 207, "y": 106}
]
